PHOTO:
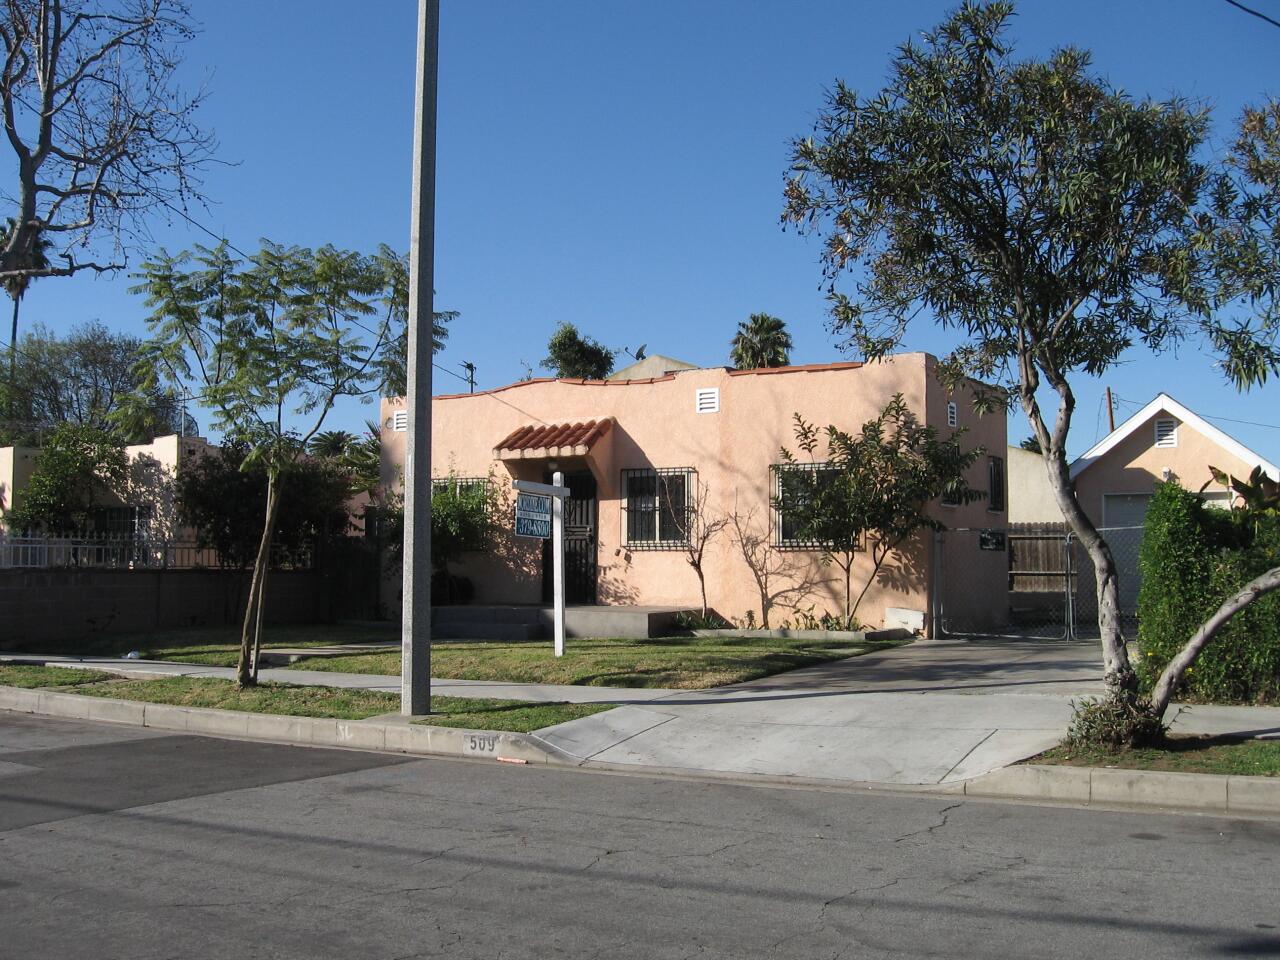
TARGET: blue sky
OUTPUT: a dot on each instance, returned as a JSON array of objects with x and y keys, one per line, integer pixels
[{"x": 620, "y": 165}]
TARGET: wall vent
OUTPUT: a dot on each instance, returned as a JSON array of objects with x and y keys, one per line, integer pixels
[
  {"x": 1166, "y": 433},
  {"x": 953, "y": 417},
  {"x": 400, "y": 421},
  {"x": 707, "y": 400}
]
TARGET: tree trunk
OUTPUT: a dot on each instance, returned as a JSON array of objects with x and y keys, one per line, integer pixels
[
  {"x": 246, "y": 668},
  {"x": 702, "y": 586},
  {"x": 257, "y": 620},
  {"x": 1258, "y": 587},
  {"x": 13, "y": 361},
  {"x": 1118, "y": 674},
  {"x": 848, "y": 573}
]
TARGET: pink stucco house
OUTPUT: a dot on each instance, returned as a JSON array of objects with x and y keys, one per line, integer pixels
[{"x": 634, "y": 452}]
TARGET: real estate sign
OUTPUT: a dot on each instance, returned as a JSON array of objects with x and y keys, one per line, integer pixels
[{"x": 533, "y": 515}]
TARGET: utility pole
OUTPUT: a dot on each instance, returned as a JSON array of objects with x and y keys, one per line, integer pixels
[
  {"x": 1111, "y": 412},
  {"x": 471, "y": 375},
  {"x": 415, "y": 638}
]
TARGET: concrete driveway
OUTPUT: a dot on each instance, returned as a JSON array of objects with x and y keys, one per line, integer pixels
[{"x": 928, "y": 713}]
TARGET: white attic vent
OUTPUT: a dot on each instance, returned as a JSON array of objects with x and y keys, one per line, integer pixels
[
  {"x": 1166, "y": 433},
  {"x": 953, "y": 417},
  {"x": 400, "y": 421},
  {"x": 707, "y": 400}
]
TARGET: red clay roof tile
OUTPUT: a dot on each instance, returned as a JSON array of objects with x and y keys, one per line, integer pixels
[{"x": 555, "y": 435}]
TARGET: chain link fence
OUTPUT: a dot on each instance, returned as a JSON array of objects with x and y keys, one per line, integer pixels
[{"x": 1048, "y": 591}]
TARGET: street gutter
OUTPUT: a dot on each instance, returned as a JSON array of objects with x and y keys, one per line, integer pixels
[{"x": 1108, "y": 788}]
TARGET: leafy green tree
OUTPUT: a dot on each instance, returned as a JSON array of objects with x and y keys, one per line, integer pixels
[
  {"x": 223, "y": 501},
  {"x": 1047, "y": 219},
  {"x": 271, "y": 344},
  {"x": 394, "y": 363},
  {"x": 88, "y": 377},
  {"x": 1030, "y": 444},
  {"x": 871, "y": 490},
  {"x": 73, "y": 469},
  {"x": 570, "y": 354},
  {"x": 761, "y": 341}
]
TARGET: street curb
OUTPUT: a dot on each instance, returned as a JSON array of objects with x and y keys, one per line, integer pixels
[
  {"x": 1082, "y": 786},
  {"x": 411, "y": 738},
  {"x": 1152, "y": 789}
]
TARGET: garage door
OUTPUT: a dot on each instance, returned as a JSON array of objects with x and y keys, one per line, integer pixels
[{"x": 1124, "y": 514}]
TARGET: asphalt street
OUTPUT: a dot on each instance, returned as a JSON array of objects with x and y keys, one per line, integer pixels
[{"x": 120, "y": 842}]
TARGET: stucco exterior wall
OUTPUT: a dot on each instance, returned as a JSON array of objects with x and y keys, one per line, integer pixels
[
  {"x": 16, "y": 466},
  {"x": 153, "y": 467},
  {"x": 732, "y": 451},
  {"x": 1136, "y": 464}
]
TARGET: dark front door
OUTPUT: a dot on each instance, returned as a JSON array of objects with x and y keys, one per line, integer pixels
[{"x": 579, "y": 542}]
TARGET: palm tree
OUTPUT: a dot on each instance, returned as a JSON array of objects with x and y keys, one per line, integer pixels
[
  {"x": 16, "y": 285},
  {"x": 330, "y": 444},
  {"x": 761, "y": 341}
]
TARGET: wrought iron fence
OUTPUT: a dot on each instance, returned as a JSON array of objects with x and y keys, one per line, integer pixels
[{"x": 127, "y": 553}]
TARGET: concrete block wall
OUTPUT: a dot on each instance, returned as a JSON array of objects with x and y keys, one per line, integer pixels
[{"x": 79, "y": 605}]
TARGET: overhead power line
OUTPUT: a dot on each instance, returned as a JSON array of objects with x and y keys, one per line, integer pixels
[{"x": 1254, "y": 13}]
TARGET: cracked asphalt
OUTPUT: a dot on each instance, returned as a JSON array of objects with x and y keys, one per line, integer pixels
[{"x": 117, "y": 842}]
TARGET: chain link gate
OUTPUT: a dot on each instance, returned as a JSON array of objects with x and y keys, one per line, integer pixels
[{"x": 1048, "y": 592}]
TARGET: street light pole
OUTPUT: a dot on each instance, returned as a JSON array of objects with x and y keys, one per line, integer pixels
[{"x": 415, "y": 638}]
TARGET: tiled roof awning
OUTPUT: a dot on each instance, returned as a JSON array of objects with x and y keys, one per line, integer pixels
[{"x": 552, "y": 440}]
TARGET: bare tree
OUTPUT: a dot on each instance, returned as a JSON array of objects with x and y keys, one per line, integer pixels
[
  {"x": 698, "y": 526},
  {"x": 100, "y": 131}
]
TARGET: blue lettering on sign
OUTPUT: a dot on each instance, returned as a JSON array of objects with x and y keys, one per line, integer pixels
[{"x": 533, "y": 527}]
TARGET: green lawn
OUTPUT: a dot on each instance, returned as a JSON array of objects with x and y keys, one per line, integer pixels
[
  {"x": 217, "y": 646},
  {"x": 512, "y": 716},
  {"x": 691, "y": 663},
  {"x": 30, "y": 676},
  {"x": 1253, "y": 758}
]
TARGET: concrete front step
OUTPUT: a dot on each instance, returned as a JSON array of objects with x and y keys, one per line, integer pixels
[{"x": 497, "y": 632}]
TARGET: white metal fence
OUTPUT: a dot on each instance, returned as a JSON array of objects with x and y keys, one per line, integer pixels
[{"x": 124, "y": 553}]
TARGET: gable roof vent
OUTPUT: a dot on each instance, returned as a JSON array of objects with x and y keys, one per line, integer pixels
[
  {"x": 1166, "y": 433},
  {"x": 707, "y": 400},
  {"x": 400, "y": 421}
]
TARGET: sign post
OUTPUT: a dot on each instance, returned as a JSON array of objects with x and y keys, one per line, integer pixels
[{"x": 540, "y": 514}]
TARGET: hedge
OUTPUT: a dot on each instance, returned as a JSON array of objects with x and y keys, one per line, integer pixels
[{"x": 1193, "y": 557}]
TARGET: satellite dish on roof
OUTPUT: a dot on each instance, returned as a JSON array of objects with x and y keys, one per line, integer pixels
[{"x": 639, "y": 354}]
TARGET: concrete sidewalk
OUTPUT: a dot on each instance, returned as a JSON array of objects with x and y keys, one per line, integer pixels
[
  {"x": 533, "y": 692},
  {"x": 928, "y": 713}
]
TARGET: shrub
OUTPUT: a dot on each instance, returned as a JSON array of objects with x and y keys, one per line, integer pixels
[
  {"x": 1113, "y": 723},
  {"x": 1193, "y": 557}
]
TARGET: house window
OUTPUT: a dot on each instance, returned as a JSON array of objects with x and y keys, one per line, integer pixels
[
  {"x": 656, "y": 513},
  {"x": 795, "y": 485},
  {"x": 953, "y": 414},
  {"x": 1166, "y": 433},
  {"x": 995, "y": 483},
  {"x": 707, "y": 400},
  {"x": 122, "y": 523},
  {"x": 400, "y": 421}
]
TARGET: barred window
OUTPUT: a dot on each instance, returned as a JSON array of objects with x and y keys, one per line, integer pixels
[
  {"x": 995, "y": 483},
  {"x": 656, "y": 507},
  {"x": 795, "y": 485}
]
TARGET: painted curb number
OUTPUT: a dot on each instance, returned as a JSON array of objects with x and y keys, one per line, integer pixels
[{"x": 481, "y": 744}]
